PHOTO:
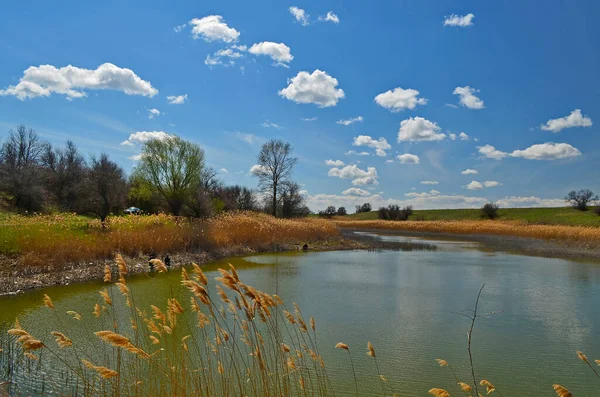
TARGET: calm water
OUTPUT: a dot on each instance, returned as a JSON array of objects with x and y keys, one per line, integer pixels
[{"x": 405, "y": 303}]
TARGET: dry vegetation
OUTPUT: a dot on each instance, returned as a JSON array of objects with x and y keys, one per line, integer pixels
[
  {"x": 586, "y": 234},
  {"x": 237, "y": 341},
  {"x": 54, "y": 241}
]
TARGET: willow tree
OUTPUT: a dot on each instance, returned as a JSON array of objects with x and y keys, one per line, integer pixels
[
  {"x": 274, "y": 169},
  {"x": 173, "y": 168}
]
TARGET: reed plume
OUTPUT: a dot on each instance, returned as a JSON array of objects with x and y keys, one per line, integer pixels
[
  {"x": 104, "y": 372},
  {"x": 561, "y": 391},
  {"x": 61, "y": 339},
  {"x": 48, "y": 302},
  {"x": 439, "y": 392}
]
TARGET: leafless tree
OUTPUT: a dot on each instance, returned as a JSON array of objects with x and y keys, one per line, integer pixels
[
  {"x": 204, "y": 199},
  {"x": 106, "y": 187},
  {"x": 20, "y": 178},
  {"x": 64, "y": 175},
  {"x": 275, "y": 166},
  {"x": 292, "y": 201},
  {"x": 238, "y": 198}
]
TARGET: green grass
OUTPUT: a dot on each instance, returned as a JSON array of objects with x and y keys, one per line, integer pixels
[{"x": 550, "y": 216}]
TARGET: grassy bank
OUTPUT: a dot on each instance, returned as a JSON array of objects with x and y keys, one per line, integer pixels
[
  {"x": 52, "y": 241},
  {"x": 546, "y": 216},
  {"x": 562, "y": 233}
]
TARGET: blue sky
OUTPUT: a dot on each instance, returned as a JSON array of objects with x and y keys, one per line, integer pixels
[{"x": 520, "y": 81}]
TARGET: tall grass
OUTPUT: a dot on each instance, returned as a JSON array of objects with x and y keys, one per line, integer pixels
[
  {"x": 237, "y": 341},
  {"x": 586, "y": 234},
  {"x": 53, "y": 241}
]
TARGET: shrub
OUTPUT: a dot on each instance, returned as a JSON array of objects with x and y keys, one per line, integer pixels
[
  {"x": 329, "y": 212},
  {"x": 366, "y": 207},
  {"x": 342, "y": 211},
  {"x": 393, "y": 213},
  {"x": 490, "y": 211}
]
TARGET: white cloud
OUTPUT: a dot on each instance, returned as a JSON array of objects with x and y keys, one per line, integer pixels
[
  {"x": 308, "y": 119},
  {"x": 142, "y": 137},
  {"x": 278, "y": 52},
  {"x": 350, "y": 121},
  {"x": 399, "y": 99},
  {"x": 458, "y": 20},
  {"x": 318, "y": 88},
  {"x": 135, "y": 157},
  {"x": 224, "y": 171},
  {"x": 334, "y": 163},
  {"x": 217, "y": 58},
  {"x": 350, "y": 152},
  {"x": 450, "y": 105},
  {"x": 547, "y": 151},
  {"x": 474, "y": 185},
  {"x": 268, "y": 124},
  {"x": 177, "y": 99},
  {"x": 469, "y": 171},
  {"x": 248, "y": 138},
  {"x": 408, "y": 158},
  {"x": 152, "y": 113},
  {"x": 491, "y": 184},
  {"x": 355, "y": 191},
  {"x": 531, "y": 201},
  {"x": 431, "y": 193},
  {"x": 179, "y": 28},
  {"x": 390, "y": 161},
  {"x": 380, "y": 145},
  {"x": 468, "y": 98},
  {"x": 71, "y": 81},
  {"x": 330, "y": 17},
  {"x": 452, "y": 137},
  {"x": 213, "y": 28},
  {"x": 257, "y": 169},
  {"x": 358, "y": 176},
  {"x": 463, "y": 136},
  {"x": 491, "y": 152},
  {"x": 301, "y": 16},
  {"x": 575, "y": 119},
  {"x": 419, "y": 129},
  {"x": 429, "y": 183}
]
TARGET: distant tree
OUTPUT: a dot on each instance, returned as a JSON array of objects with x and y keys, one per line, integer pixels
[
  {"x": 275, "y": 166},
  {"x": 328, "y": 212},
  {"x": 238, "y": 198},
  {"x": 173, "y": 168},
  {"x": 20, "y": 171},
  {"x": 64, "y": 175},
  {"x": 393, "y": 212},
  {"x": 106, "y": 187},
  {"x": 205, "y": 199},
  {"x": 366, "y": 207},
  {"x": 581, "y": 199},
  {"x": 342, "y": 211},
  {"x": 292, "y": 201},
  {"x": 490, "y": 211}
]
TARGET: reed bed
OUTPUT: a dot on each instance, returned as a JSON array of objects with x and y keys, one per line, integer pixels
[
  {"x": 585, "y": 234},
  {"x": 53, "y": 241},
  {"x": 227, "y": 339}
]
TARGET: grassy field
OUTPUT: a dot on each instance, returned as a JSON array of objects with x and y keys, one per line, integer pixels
[{"x": 541, "y": 216}]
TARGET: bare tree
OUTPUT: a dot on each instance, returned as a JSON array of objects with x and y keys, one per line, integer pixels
[
  {"x": 20, "y": 168},
  {"x": 581, "y": 199},
  {"x": 172, "y": 167},
  {"x": 238, "y": 198},
  {"x": 65, "y": 172},
  {"x": 204, "y": 199},
  {"x": 292, "y": 201},
  {"x": 106, "y": 187},
  {"x": 275, "y": 166}
]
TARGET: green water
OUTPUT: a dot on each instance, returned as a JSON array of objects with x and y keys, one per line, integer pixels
[{"x": 405, "y": 303}]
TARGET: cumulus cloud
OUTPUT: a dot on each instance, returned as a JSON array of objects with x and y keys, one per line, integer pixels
[
  {"x": 152, "y": 113},
  {"x": 469, "y": 171},
  {"x": 358, "y": 176},
  {"x": 142, "y": 137},
  {"x": 353, "y": 152},
  {"x": 278, "y": 52},
  {"x": 491, "y": 184},
  {"x": 491, "y": 152},
  {"x": 177, "y": 99},
  {"x": 547, "y": 151},
  {"x": 408, "y": 158},
  {"x": 225, "y": 57},
  {"x": 575, "y": 119},
  {"x": 431, "y": 193},
  {"x": 301, "y": 16},
  {"x": 318, "y": 88},
  {"x": 380, "y": 145},
  {"x": 257, "y": 169},
  {"x": 461, "y": 21},
  {"x": 452, "y": 137},
  {"x": 334, "y": 163},
  {"x": 399, "y": 99},
  {"x": 213, "y": 28},
  {"x": 474, "y": 185},
  {"x": 350, "y": 121},
  {"x": 429, "y": 183},
  {"x": 72, "y": 81},
  {"x": 419, "y": 129},
  {"x": 463, "y": 136},
  {"x": 468, "y": 98},
  {"x": 355, "y": 191},
  {"x": 330, "y": 17}
]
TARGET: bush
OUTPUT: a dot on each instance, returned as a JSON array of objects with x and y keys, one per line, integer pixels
[
  {"x": 328, "y": 213},
  {"x": 366, "y": 207},
  {"x": 393, "y": 213},
  {"x": 490, "y": 211},
  {"x": 342, "y": 211}
]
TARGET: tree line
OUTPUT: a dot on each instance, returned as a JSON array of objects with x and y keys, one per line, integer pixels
[{"x": 171, "y": 176}]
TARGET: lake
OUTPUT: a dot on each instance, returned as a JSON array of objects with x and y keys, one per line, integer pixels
[{"x": 407, "y": 305}]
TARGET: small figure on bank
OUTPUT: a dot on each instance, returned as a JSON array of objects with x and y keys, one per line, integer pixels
[
  {"x": 167, "y": 261},
  {"x": 305, "y": 247},
  {"x": 152, "y": 256}
]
